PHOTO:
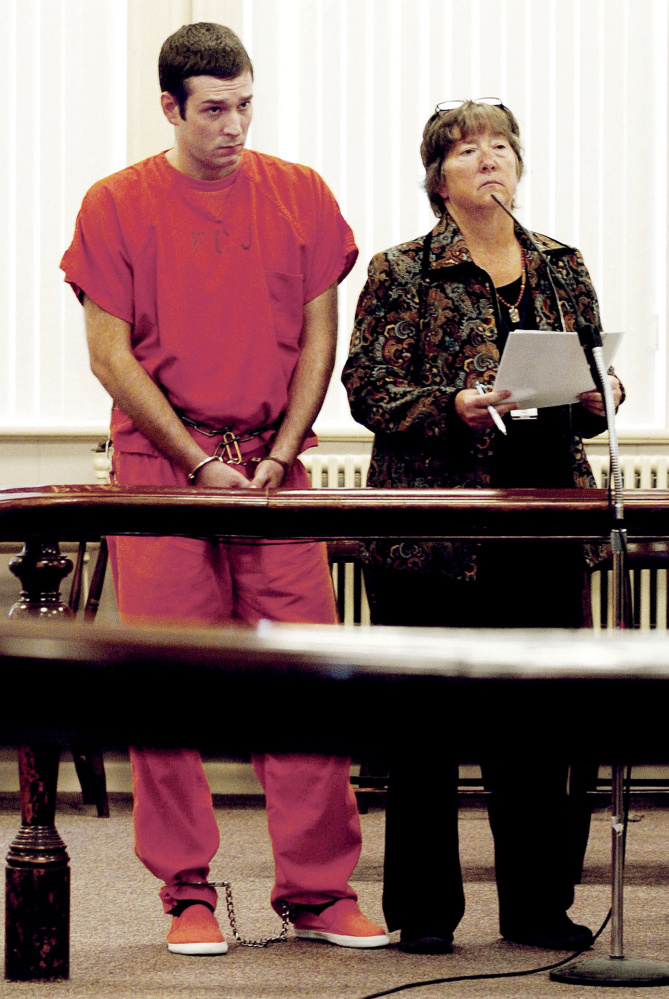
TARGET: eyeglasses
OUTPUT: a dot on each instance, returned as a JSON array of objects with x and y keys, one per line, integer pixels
[{"x": 453, "y": 105}]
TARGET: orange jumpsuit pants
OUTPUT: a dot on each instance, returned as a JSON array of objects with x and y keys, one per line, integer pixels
[{"x": 312, "y": 814}]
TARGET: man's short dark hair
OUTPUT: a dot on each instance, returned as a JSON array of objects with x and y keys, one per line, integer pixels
[{"x": 202, "y": 49}]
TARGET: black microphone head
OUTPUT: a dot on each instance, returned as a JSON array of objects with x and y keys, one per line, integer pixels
[{"x": 589, "y": 336}]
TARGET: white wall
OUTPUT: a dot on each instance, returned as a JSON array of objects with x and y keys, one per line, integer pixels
[{"x": 64, "y": 127}]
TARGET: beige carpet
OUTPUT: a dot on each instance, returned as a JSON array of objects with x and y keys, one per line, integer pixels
[{"x": 118, "y": 928}]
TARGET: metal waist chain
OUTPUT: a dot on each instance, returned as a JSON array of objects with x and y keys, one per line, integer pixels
[
  {"x": 209, "y": 431},
  {"x": 228, "y": 447}
]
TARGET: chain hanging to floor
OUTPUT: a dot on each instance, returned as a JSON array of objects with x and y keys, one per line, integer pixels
[{"x": 285, "y": 914}]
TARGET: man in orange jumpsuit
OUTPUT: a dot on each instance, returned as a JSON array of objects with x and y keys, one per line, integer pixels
[{"x": 208, "y": 276}]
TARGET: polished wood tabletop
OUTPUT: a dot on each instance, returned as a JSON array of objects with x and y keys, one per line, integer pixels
[{"x": 83, "y": 512}]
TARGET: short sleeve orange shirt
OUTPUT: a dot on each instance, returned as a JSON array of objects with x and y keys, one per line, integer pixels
[{"x": 212, "y": 278}]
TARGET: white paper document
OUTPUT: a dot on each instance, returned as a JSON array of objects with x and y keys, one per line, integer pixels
[{"x": 548, "y": 369}]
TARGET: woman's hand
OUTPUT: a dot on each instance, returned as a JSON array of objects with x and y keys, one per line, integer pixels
[
  {"x": 472, "y": 408},
  {"x": 594, "y": 402}
]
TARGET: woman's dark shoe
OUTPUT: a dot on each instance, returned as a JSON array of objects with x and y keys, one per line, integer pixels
[
  {"x": 425, "y": 941},
  {"x": 558, "y": 934}
]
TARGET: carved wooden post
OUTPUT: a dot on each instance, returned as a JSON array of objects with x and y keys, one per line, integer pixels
[
  {"x": 37, "y": 907},
  {"x": 41, "y": 569}
]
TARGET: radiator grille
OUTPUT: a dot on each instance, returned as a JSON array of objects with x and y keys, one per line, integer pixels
[
  {"x": 638, "y": 471},
  {"x": 337, "y": 471},
  {"x": 649, "y": 586},
  {"x": 343, "y": 471}
]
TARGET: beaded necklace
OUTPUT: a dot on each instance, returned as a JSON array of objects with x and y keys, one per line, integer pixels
[{"x": 514, "y": 315}]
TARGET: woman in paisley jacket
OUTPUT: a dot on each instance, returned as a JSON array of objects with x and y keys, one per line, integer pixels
[{"x": 431, "y": 324}]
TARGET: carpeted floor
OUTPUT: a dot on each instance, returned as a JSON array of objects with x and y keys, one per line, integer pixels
[{"x": 118, "y": 928}]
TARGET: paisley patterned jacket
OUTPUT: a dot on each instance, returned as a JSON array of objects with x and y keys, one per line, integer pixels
[{"x": 426, "y": 327}]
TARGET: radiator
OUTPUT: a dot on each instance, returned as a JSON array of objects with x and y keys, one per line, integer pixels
[
  {"x": 343, "y": 471},
  {"x": 648, "y": 471},
  {"x": 336, "y": 471},
  {"x": 649, "y": 586}
]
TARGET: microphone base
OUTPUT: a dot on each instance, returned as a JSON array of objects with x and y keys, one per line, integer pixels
[{"x": 618, "y": 972}]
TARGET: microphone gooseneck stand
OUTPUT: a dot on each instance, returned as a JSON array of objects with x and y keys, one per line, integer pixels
[{"x": 615, "y": 970}]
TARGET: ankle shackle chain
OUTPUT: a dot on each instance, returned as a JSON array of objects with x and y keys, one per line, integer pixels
[{"x": 285, "y": 914}]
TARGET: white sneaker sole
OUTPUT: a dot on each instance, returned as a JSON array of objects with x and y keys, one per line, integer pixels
[
  {"x": 343, "y": 941},
  {"x": 198, "y": 949}
]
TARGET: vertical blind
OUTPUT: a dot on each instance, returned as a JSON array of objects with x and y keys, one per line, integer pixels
[
  {"x": 587, "y": 80},
  {"x": 346, "y": 87},
  {"x": 65, "y": 127}
]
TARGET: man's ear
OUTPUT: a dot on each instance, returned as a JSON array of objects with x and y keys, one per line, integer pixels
[{"x": 170, "y": 108}]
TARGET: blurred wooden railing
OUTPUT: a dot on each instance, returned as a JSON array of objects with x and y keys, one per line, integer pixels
[{"x": 73, "y": 513}]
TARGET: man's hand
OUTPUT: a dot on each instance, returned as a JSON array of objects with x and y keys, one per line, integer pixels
[
  {"x": 472, "y": 408},
  {"x": 220, "y": 475},
  {"x": 269, "y": 475}
]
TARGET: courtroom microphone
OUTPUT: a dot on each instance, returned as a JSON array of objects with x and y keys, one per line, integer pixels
[
  {"x": 591, "y": 342},
  {"x": 590, "y": 339}
]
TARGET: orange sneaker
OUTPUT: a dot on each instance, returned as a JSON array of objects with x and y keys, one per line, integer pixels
[
  {"x": 343, "y": 924},
  {"x": 196, "y": 931}
]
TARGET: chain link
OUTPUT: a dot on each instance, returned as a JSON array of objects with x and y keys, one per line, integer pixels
[{"x": 285, "y": 914}]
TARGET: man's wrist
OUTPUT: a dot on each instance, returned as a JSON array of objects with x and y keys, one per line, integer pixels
[
  {"x": 192, "y": 475},
  {"x": 286, "y": 465}
]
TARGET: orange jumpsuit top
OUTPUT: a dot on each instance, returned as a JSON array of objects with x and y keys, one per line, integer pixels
[{"x": 212, "y": 278}]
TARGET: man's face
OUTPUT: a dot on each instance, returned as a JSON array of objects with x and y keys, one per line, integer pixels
[{"x": 211, "y": 135}]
